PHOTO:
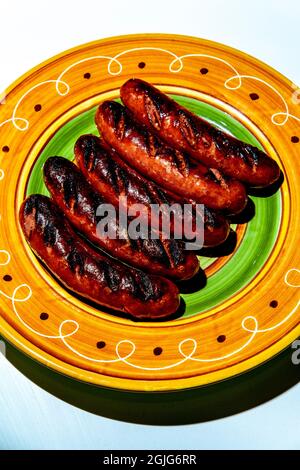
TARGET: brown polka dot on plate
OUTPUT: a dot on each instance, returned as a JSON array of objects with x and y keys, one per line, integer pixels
[
  {"x": 141, "y": 65},
  {"x": 221, "y": 338},
  {"x": 87, "y": 75},
  {"x": 203, "y": 71},
  {"x": 7, "y": 278},
  {"x": 101, "y": 344},
  {"x": 5, "y": 149},
  {"x": 37, "y": 108},
  {"x": 294, "y": 139},
  {"x": 44, "y": 316},
  {"x": 157, "y": 351},
  {"x": 273, "y": 303},
  {"x": 254, "y": 96}
]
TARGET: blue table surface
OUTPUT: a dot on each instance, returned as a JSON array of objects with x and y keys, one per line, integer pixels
[{"x": 31, "y": 418}]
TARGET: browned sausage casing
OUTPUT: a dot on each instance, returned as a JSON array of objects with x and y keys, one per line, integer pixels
[
  {"x": 188, "y": 132},
  {"x": 89, "y": 273},
  {"x": 169, "y": 168},
  {"x": 111, "y": 176},
  {"x": 79, "y": 202}
]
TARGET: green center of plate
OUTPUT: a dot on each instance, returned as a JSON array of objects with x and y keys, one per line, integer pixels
[{"x": 261, "y": 232}]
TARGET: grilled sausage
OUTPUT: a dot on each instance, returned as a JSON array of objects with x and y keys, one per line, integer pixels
[
  {"x": 89, "y": 273},
  {"x": 216, "y": 226},
  {"x": 169, "y": 168},
  {"x": 111, "y": 176},
  {"x": 187, "y": 132},
  {"x": 79, "y": 202}
]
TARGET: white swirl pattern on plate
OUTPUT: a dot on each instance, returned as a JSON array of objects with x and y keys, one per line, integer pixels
[
  {"x": 172, "y": 68},
  {"x": 15, "y": 299}
]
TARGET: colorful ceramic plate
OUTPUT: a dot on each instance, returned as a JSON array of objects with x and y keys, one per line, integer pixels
[{"x": 247, "y": 312}]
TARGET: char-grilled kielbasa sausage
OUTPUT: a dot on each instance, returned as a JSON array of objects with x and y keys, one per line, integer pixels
[
  {"x": 87, "y": 272},
  {"x": 79, "y": 202},
  {"x": 187, "y": 132},
  {"x": 110, "y": 175},
  {"x": 169, "y": 168}
]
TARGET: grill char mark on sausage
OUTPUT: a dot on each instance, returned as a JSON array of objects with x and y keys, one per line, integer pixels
[{"x": 57, "y": 234}]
